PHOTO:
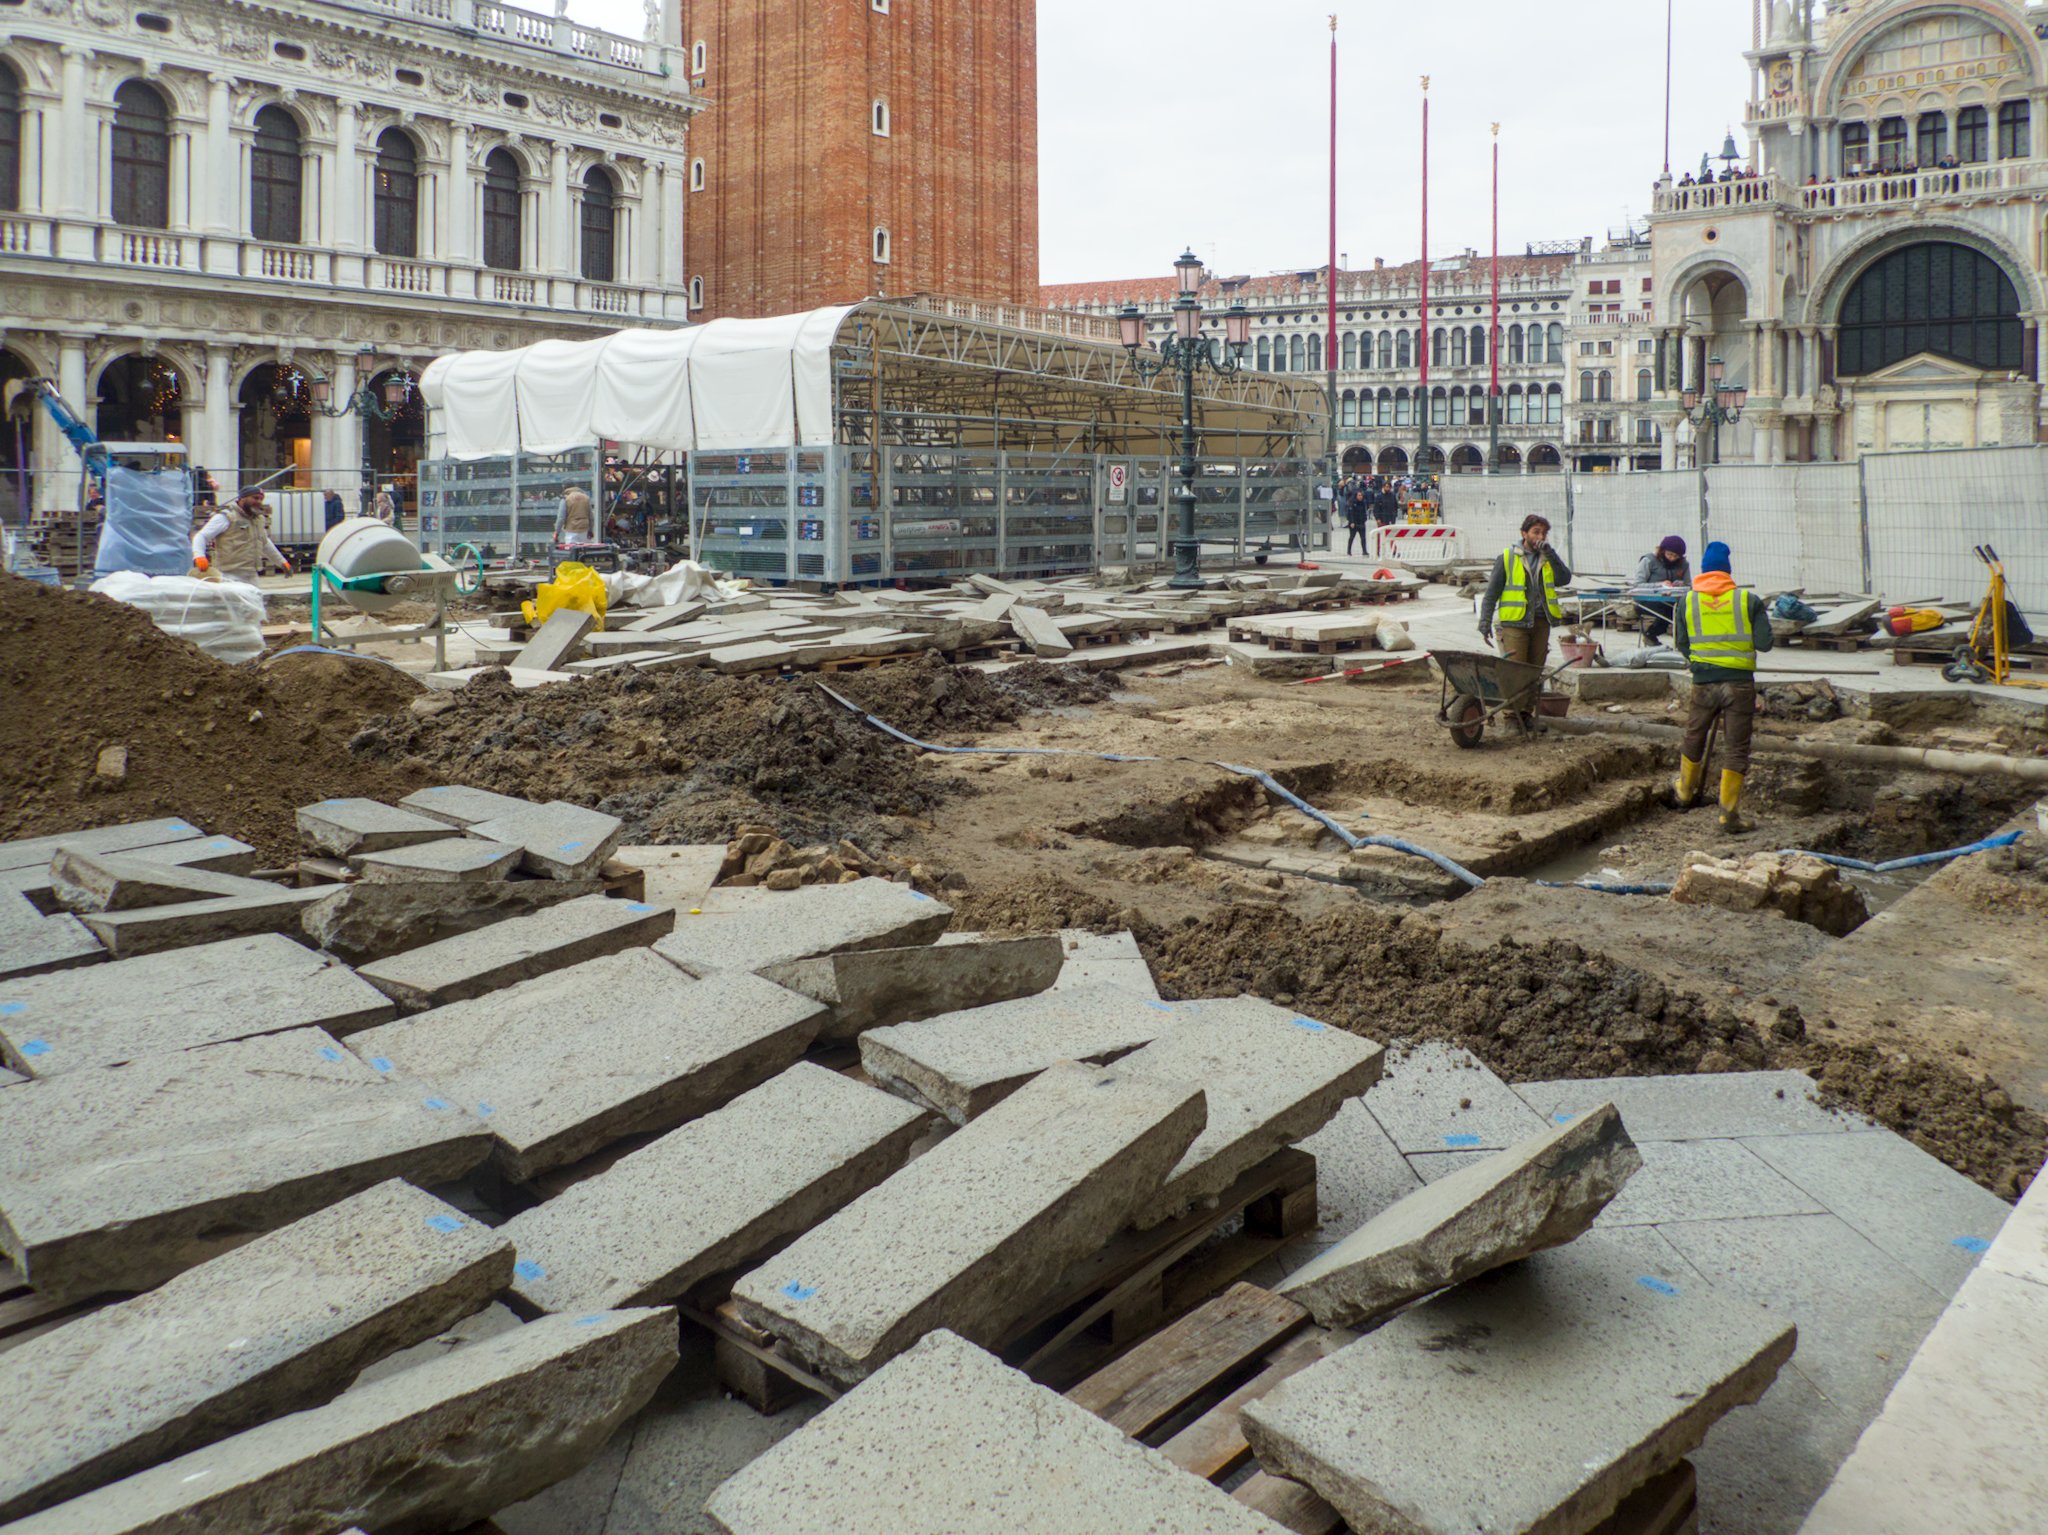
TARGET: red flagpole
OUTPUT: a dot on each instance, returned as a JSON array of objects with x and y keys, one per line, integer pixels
[
  {"x": 1493, "y": 328},
  {"x": 1422, "y": 406},
  {"x": 1330, "y": 342}
]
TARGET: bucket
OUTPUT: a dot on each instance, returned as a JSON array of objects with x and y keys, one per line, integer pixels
[
  {"x": 1579, "y": 652},
  {"x": 1554, "y": 706}
]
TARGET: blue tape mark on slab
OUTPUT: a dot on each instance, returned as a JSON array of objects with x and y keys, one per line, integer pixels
[
  {"x": 568, "y": 847},
  {"x": 1162, "y": 1007},
  {"x": 183, "y": 826},
  {"x": 444, "y": 1223},
  {"x": 381, "y": 1062},
  {"x": 329, "y": 1053},
  {"x": 1461, "y": 1140},
  {"x": 526, "y": 1268},
  {"x": 436, "y": 1104},
  {"x": 588, "y": 1321},
  {"x": 9, "y": 1009},
  {"x": 1659, "y": 1286},
  {"x": 797, "y": 1291},
  {"x": 1972, "y": 1245},
  {"x": 919, "y": 895},
  {"x": 1311, "y": 1025},
  {"x": 222, "y": 845},
  {"x": 638, "y": 906},
  {"x": 35, "y": 1047},
  {"x": 486, "y": 1110},
  {"x": 1563, "y": 1119}
]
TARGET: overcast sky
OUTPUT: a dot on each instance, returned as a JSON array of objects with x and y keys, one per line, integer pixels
[{"x": 1164, "y": 122}]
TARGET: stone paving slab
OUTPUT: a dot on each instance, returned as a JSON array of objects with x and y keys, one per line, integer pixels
[
  {"x": 962, "y": 1064},
  {"x": 1112, "y": 959},
  {"x": 1918, "y": 1210},
  {"x": 1434, "y": 1097},
  {"x": 1272, "y": 1077},
  {"x": 36, "y": 852},
  {"x": 153, "y": 929},
  {"x": 676, "y": 876},
  {"x": 562, "y": 1065},
  {"x": 461, "y": 806},
  {"x": 280, "y": 1323},
  {"x": 339, "y": 827},
  {"x": 434, "y": 1448},
  {"x": 236, "y": 989},
  {"x": 1705, "y": 1181},
  {"x": 452, "y": 860},
  {"x": 1742, "y": 1103},
  {"x": 117, "y": 1178},
  {"x": 752, "y": 929},
  {"x": 559, "y": 840},
  {"x": 869, "y": 988},
  {"x": 221, "y": 855},
  {"x": 1036, "y": 628},
  {"x": 33, "y": 944},
  {"x": 94, "y": 882},
  {"x": 1359, "y": 1173},
  {"x": 518, "y": 949},
  {"x": 1534, "y": 1398},
  {"x": 948, "y": 1440},
  {"x": 1527, "y": 1199},
  {"x": 767, "y": 1166},
  {"x": 1000, "y": 1210},
  {"x": 555, "y": 640}
]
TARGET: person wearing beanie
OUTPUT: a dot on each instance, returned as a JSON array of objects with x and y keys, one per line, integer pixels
[
  {"x": 1720, "y": 628},
  {"x": 1521, "y": 597},
  {"x": 1666, "y": 565}
]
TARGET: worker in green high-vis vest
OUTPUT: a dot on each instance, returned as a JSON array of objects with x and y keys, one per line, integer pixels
[
  {"x": 1720, "y": 628},
  {"x": 1521, "y": 599}
]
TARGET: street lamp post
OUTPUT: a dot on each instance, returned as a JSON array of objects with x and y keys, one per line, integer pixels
[
  {"x": 364, "y": 402},
  {"x": 1720, "y": 402},
  {"x": 1190, "y": 351}
]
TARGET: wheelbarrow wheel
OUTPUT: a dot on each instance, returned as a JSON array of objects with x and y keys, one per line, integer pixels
[{"x": 1467, "y": 716}]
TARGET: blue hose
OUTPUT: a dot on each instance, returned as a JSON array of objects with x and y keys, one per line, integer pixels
[
  {"x": 326, "y": 650},
  {"x": 1602, "y": 887},
  {"x": 1919, "y": 860}
]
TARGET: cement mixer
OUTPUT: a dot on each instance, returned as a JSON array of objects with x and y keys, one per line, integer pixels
[{"x": 373, "y": 567}]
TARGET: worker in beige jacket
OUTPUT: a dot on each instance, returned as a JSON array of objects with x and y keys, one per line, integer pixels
[{"x": 235, "y": 543}]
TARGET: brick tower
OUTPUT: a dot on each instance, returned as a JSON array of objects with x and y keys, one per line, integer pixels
[{"x": 861, "y": 147}]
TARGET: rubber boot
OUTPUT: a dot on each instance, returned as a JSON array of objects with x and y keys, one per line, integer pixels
[
  {"x": 1731, "y": 802},
  {"x": 1685, "y": 791}
]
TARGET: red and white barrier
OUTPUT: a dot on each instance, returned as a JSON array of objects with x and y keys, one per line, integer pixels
[{"x": 1425, "y": 544}]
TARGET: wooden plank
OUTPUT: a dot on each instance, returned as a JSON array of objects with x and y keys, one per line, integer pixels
[
  {"x": 1664, "y": 1505},
  {"x": 1214, "y": 1446},
  {"x": 1288, "y": 1504},
  {"x": 1156, "y": 1379}
]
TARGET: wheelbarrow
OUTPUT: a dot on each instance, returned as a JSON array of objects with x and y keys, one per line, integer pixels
[{"x": 1479, "y": 687}]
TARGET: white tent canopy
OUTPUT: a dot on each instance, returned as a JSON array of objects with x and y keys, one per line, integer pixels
[{"x": 728, "y": 385}]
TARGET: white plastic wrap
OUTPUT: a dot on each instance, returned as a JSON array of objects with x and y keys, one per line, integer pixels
[
  {"x": 684, "y": 581},
  {"x": 223, "y": 618}
]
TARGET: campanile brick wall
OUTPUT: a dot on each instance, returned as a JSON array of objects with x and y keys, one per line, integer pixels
[{"x": 796, "y": 180}]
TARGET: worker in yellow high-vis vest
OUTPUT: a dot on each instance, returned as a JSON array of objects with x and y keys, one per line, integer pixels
[
  {"x": 1521, "y": 599},
  {"x": 1720, "y": 628}
]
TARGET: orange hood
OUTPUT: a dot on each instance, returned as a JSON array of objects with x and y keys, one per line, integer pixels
[{"x": 1715, "y": 583}]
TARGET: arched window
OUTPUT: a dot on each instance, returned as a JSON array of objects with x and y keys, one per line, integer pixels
[
  {"x": 1855, "y": 145},
  {"x": 1347, "y": 413},
  {"x": 1404, "y": 350},
  {"x": 1297, "y": 355},
  {"x": 1404, "y": 408},
  {"x": 1556, "y": 352},
  {"x": 600, "y": 225},
  {"x": 1265, "y": 355},
  {"x": 1515, "y": 417},
  {"x": 1935, "y": 297},
  {"x": 1931, "y": 142},
  {"x": 880, "y": 124},
  {"x": 1386, "y": 410},
  {"x": 1478, "y": 346},
  {"x": 1315, "y": 354},
  {"x": 141, "y": 157},
  {"x": 274, "y": 177},
  {"x": 1891, "y": 143},
  {"x": 1439, "y": 405},
  {"x": 2015, "y": 130},
  {"x": 396, "y": 217},
  {"x": 1643, "y": 383},
  {"x": 1437, "y": 348},
  {"x": 1553, "y": 400},
  {"x": 1458, "y": 347},
  {"x": 696, "y": 293},
  {"x": 1386, "y": 349},
  {"x": 503, "y": 244},
  {"x": 883, "y": 250},
  {"x": 1585, "y": 389},
  {"x": 1514, "y": 343},
  {"x": 1350, "y": 351},
  {"x": 10, "y": 139},
  {"x": 1973, "y": 133},
  {"x": 697, "y": 175},
  {"x": 1606, "y": 386}
]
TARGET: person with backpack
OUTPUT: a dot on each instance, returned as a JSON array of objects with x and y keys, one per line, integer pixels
[{"x": 1720, "y": 628}]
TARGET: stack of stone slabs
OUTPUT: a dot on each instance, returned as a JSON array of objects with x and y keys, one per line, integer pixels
[{"x": 750, "y": 930}]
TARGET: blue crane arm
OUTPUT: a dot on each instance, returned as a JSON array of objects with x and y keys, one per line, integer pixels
[{"x": 76, "y": 432}]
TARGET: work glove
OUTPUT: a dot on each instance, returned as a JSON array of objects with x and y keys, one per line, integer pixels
[
  {"x": 201, "y": 564},
  {"x": 1486, "y": 633}
]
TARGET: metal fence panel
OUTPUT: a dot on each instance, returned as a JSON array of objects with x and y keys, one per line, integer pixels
[
  {"x": 1790, "y": 526},
  {"x": 1619, "y": 518},
  {"x": 1928, "y": 511},
  {"x": 1488, "y": 509}
]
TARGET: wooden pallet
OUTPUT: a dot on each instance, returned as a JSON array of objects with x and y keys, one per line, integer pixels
[
  {"x": 1302, "y": 647},
  {"x": 1136, "y": 1284},
  {"x": 1183, "y": 1392},
  {"x": 25, "y": 1314},
  {"x": 1841, "y": 644},
  {"x": 856, "y": 663}
]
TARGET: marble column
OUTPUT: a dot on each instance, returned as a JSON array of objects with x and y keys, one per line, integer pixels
[
  {"x": 216, "y": 419},
  {"x": 558, "y": 218}
]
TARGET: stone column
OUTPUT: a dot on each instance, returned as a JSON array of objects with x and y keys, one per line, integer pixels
[
  {"x": 343, "y": 466},
  {"x": 674, "y": 242},
  {"x": 351, "y": 225},
  {"x": 73, "y": 170},
  {"x": 60, "y": 487},
  {"x": 458, "y": 197},
  {"x": 558, "y": 218},
  {"x": 216, "y": 419}
]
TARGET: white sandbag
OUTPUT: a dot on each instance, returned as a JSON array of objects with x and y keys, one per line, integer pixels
[
  {"x": 1393, "y": 636},
  {"x": 223, "y": 618}
]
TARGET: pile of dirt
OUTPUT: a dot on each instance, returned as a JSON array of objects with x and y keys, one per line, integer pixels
[
  {"x": 236, "y": 750},
  {"x": 680, "y": 756},
  {"x": 929, "y": 698},
  {"x": 1541, "y": 1011}
]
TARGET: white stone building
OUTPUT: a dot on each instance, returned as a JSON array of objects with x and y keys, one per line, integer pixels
[
  {"x": 205, "y": 205},
  {"x": 1612, "y": 420},
  {"x": 1381, "y": 398},
  {"x": 1878, "y": 285}
]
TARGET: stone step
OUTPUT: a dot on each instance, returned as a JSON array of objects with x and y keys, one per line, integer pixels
[
  {"x": 1535, "y": 1397},
  {"x": 220, "y": 855},
  {"x": 505, "y": 953},
  {"x": 869, "y": 988},
  {"x": 1273, "y": 1078},
  {"x": 340, "y": 827},
  {"x": 103, "y": 1015},
  {"x": 751, "y": 929},
  {"x": 557, "y": 840},
  {"x": 948, "y": 1440},
  {"x": 452, "y": 860},
  {"x": 1000, "y": 1210},
  {"x": 33, "y": 944},
  {"x": 676, "y": 876},
  {"x": 1111, "y": 959},
  {"x": 563, "y": 1065},
  {"x": 97, "y": 882},
  {"x": 556, "y": 640},
  {"x": 962, "y": 1064},
  {"x": 275, "y": 1325},
  {"x": 463, "y": 807},
  {"x": 437, "y": 1447},
  {"x": 376, "y": 919},
  {"x": 118, "y": 1177},
  {"x": 36, "y": 852},
  {"x": 153, "y": 929},
  {"x": 767, "y": 1166}
]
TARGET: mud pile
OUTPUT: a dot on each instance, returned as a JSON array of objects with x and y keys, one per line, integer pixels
[
  {"x": 234, "y": 749},
  {"x": 929, "y": 698},
  {"x": 680, "y": 756},
  {"x": 1541, "y": 1011}
]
